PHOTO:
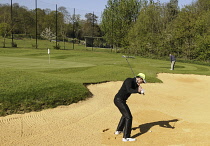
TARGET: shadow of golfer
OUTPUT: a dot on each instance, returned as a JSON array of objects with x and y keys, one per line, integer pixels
[{"x": 145, "y": 127}]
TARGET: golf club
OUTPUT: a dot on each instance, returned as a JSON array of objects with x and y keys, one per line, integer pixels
[
  {"x": 129, "y": 63},
  {"x": 131, "y": 67}
]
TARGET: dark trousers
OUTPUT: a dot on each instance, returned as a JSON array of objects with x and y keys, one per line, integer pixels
[{"x": 126, "y": 119}]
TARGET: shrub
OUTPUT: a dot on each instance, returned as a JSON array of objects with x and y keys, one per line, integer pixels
[{"x": 14, "y": 44}]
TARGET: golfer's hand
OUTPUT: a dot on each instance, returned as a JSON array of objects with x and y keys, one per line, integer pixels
[
  {"x": 139, "y": 89},
  {"x": 142, "y": 91}
]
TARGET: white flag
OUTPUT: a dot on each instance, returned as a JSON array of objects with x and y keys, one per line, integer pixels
[{"x": 48, "y": 51}]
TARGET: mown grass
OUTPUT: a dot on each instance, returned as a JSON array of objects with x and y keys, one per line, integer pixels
[{"x": 29, "y": 82}]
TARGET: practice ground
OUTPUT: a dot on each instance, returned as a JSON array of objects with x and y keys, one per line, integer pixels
[{"x": 175, "y": 112}]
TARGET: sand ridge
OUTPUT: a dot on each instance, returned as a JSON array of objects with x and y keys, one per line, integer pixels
[{"x": 174, "y": 112}]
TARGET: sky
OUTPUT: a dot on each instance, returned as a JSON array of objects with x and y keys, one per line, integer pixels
[{"x": 96, "y": 6}]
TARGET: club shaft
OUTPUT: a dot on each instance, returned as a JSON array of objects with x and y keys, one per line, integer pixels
[{"x": 130, "y": 67}]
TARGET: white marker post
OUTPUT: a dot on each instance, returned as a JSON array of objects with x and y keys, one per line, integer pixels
[{"x": 49, "y": 55}]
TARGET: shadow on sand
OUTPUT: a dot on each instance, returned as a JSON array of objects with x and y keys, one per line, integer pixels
[{"x": 145, "y": 127}]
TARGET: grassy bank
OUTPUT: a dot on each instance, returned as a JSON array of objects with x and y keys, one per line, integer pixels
[{"x": 32, "y": 80}]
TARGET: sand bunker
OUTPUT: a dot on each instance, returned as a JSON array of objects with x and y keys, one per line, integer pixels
[{"x": 175, "y": 112}]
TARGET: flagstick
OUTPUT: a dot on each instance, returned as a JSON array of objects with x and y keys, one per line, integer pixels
[
  {"x": 49, "y": 58},
  {"x": 49, "y": 55}
]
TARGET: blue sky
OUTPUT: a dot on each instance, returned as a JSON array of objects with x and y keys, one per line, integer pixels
[{"x": 82, "y": 5}]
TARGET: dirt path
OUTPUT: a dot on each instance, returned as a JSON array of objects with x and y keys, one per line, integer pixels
[{"x": 181, "y": 101}]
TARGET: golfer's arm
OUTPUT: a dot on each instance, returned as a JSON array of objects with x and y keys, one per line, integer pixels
[{"x": 131, "y": 90}]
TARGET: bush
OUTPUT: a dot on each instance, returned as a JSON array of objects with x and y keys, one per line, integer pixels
[
  {"x": 34, "y": 46},
  {"x": 57, "y": 47},
  {"x": 14, "y": 44}
]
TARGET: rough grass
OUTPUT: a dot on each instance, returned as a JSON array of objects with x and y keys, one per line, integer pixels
[{"x": 23, "y": 91}]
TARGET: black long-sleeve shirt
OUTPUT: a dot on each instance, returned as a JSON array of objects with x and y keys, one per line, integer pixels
[{"x": 129, "y": 86}]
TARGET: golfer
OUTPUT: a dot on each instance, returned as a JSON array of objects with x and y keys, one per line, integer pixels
[
  {"x": 173, "y": 61},
  {"x": 129, "y": 86}
]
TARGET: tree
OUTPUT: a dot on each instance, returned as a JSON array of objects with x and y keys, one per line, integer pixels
[
  {"x": 48, "y": 34},
  {"x": 74, "y": 27},
  {"x": 4, "y": 31},
  {"x": 63, "y": 24},
  {"x": 23, "y": 21},
  {"x": 146, "y": 34},
  {"x": 90, "y": 26},
  {"x": 172, "y": 10},
  {"x": 5, "y": 14},
  {"x": 117, "y": 18},
  {"x": 203, "y": 5}
]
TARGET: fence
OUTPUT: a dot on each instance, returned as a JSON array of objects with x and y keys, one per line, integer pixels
[{"x": 61, "y": 24}]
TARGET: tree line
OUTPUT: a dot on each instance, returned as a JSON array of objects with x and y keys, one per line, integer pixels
[
  {"x": 138, "y": 27},
  {"x": 22, "y": 23},
  {"x": 155, "y": 29}
]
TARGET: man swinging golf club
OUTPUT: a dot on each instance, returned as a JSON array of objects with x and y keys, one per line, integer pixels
[{"x": 129, "y": 86}]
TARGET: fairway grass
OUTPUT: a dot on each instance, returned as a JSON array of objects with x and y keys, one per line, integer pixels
[{"x": 32, "y": 80}]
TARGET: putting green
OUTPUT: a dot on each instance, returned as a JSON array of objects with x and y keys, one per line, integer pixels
[{"x": 37, "y": 63}]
